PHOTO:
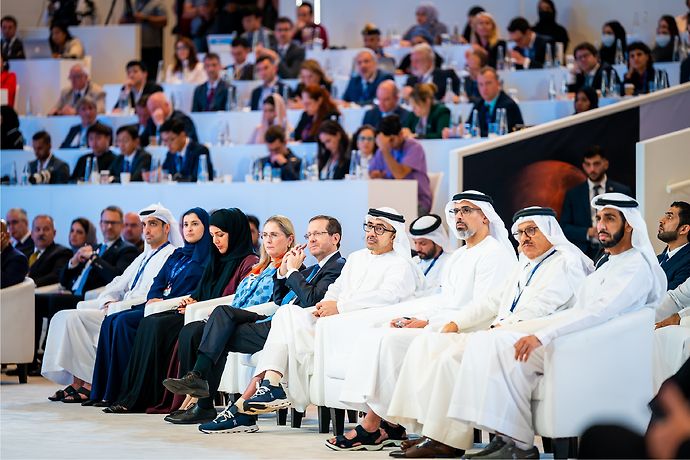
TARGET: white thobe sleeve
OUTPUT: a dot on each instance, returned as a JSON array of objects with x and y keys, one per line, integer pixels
[
  {"x": 396, "y": 285},
  {"x": 336, "y": 288},
  {"x": 623, "y": 288},
  {"x": 115, "y": 290},
  {"x": 550, "y": 296}
]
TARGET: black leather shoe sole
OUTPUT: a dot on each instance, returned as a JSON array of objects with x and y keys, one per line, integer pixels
[{"x": 180, "y": 387}]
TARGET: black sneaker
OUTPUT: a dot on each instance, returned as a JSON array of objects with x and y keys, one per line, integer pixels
[
  {"x": 191, "y": 384},
  {"x": 268, "y": 398},
  {"x": 230, "y": 421},
  {"x": 496, "y": 444}
]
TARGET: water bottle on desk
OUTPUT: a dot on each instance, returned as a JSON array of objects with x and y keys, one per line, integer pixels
[
  {"x": 267, "y": 172},
  {"x": 620, "y": 57},
  {"x": 463, "y": 94},
  {"x": 548, "y": 57},
  {"x": 203, "y": 173},
  {"x": 502, "y": 119},
  {"x": 363, "y": 167},
  {"x": 552, "y": 88},
  {"x": 449, "y": 96},
  {"x": 604, "y": 84},
  {"x": 87, "y": 169},
  {"x": 474, "y": 124},
  {"x": 500, "y": 58},
  {"x": 123, "y": 101},
  {"x": 558, "y": 58},
  {"x": 25, "y": 175},
  {"x": 354, "y": 165}
]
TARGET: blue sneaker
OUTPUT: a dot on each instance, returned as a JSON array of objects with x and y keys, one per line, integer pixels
[
  {"x": 230, "y": 421},
  {"x": 267, "y": 399}
]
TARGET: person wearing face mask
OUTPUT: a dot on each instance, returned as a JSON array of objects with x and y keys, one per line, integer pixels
[
  {"x": 547, "y": 25},
  {"x": 611, "y": 33},
  {"x": 230, "y": 260},
  {"x": 666, "y": 33}
]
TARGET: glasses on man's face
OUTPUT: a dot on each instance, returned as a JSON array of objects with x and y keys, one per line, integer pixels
[
  {"x": 110, "y": 222},
  {"x": 269, "y": 236},
  {"x": 307, "y": 236},
  {"x": 378, "y": 229},
  {"x": 463, "y": 211},
  {"x": 529, "y": 231},
  {"x": 365, "y": 138}
]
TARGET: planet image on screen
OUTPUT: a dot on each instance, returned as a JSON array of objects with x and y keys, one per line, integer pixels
[{"x": 544, "y": 183}]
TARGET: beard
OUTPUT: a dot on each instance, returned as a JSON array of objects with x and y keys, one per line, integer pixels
[
  {"x": 615, "y": 239},
  {"x": 668, "y": 237},
  {"x": 466, "y": 234}
]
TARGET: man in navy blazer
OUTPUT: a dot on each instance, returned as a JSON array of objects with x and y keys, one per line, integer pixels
[
  {"x": 211, "y": 96},
  {"x": 132, "y": 158},
  {"x": 422, "y": 64},
  {"x": 387, "y": 95},
  {"x": 158, "y": 104},
  {"x": 236, "y": 330},
  {"x": 267, "y": 71},
  {"x": 577, "y": 216},
  {"x": 674, "y": 230},
  {"x": 46, "y": 168},
  {"x": 182, "y": 159},
  {"x": 361, "y": 89},
  {"x": 494, "y": 98},
  {"x": 530, "y": 48}
]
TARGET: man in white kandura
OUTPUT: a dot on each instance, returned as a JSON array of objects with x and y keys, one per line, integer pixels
[
  {"x": 73, "y": 336},
  {"x": 432, "y": 245},
  {"x": 379, "y": 275},
  {"x": 501, "y": 369},
  {"x": 544, "y": 281},
  {"x": 470, "y": 275}
]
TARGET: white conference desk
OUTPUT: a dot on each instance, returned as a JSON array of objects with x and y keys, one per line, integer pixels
[{"x": 348, "y": 201}]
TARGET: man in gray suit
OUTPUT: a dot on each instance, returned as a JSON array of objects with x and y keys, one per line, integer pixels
[
  {"x": 46, "y": 168},
  {"x": 80, "y": 86}
]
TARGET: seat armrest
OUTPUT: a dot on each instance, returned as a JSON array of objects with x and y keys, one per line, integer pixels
[
  {"x": 201, "y": 310},
  {"x": 162, "y": 305},
  {"x": 117, "y": 307}
]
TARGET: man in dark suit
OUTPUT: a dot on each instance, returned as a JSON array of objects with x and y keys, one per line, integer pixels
[
  {"x": 589, "y": 70},
  {"x": 46, "y": 168},
  {"x": 361, "y": 89},
  {"x": 132, "y": 230},
  {"x": 267, "y": 71},
  {"x": 12, "y": 47},
  {"x": 100, "y": 137},
  {"x": 674, "y": 230},
  {"x": 136, "y": 86},
  {"x": 494, "y": 98},
  {"x": 211, "y": 96},
  {"x": 230, "y": 329},
  {"x": 387, "y": 95},
  {"x": 241, "y": 69},
  {"x": 578, "y": 217},
  {"x": 423, "y": 71},
  {"x": 279, "y": 155},
  {"x": 15, "y": 266},
  {"x": 530, "y": 48},
  {"x": 48, "y": 258},
  {"x": 184, "y": 154},
  {"x": 254, "y": 31},
  {"x": 160, "y": 110},
  {"x": 77, "y": 135},
  {"x": 132, "y": 158},
  {"x": 290, "y": 52},
  {"x": 18, "y": 223}
]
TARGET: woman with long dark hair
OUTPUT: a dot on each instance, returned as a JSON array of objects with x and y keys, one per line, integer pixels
[
  {"x": 611, "y": 33},
  {"x": 82, "y": 232},
  {"x": 63, "y": 45},
  {"x": 186, "y": 67},
  {"x": 334, "y": 151}
]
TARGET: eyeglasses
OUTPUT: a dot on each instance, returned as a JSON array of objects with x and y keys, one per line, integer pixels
[
  {"x": 110, "y": 222},
  {"x": 365, "y": 138},
  {"x": 270, "y": 236},
  {"x": 307, "y": 236},
  {"x": 463, "y": 211},
  {"x": 529, "y": 231},
  {"x": 378, "y": 229}
]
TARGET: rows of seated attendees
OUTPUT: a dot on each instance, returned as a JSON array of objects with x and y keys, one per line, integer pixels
[{"x": 591, "y": 265}]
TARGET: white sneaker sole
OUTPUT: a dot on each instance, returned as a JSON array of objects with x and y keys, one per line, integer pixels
[
  {"x": 261, "y": 408},
  {"x": 237, "y": 429},
  {"x": 367, "y": 447}
]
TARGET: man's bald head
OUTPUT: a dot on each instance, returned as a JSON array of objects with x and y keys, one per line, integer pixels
[
  {"x": 158, "y": 102},
  {"x": 387, "y": 94}
]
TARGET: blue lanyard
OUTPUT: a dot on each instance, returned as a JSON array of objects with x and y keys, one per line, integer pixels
[
  {"x": 433, "y": 262},
  {"x": 143, "y": 265},
  {"x": 520, "y": 291},
  {"x": 182, "y": 264}
]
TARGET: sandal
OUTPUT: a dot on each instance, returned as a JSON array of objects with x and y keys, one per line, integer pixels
[
  {"x": 76, "y": 397},
  {"x": 61, "y": 394},
  {"x": 395, "y": 434},
  {"x": 362, "y": 441}
]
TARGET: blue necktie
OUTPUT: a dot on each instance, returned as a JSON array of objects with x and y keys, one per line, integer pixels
[
  {"x": 81, "y": 281},
  {"x": 126, "y": 167},
  {"x": 291, "y": 295},
  {"x": 664, "y": 258},
  {"x": 178, "y": 163}
]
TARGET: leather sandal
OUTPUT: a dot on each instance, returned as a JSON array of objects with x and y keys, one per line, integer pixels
[
  {"x": 61, "y": 394},
  {"x": 363, "y": 440}
]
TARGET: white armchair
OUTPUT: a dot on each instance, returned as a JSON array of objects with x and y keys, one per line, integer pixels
[
  {"x": 117, "y": 307},
  {"x": 163, "y": 305},
  {"x": 48, "y": 289},
  {"x": 598, "y": 375},
  {"x": 671, "y": 350},
  {"x": 199, "y": 311},
  {"x": 17, "y": 328}
]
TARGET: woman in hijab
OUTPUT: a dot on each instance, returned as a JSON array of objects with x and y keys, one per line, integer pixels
[
  {"x": 231, "y": 259},
  {"x": 274, "y": 113},
  {"x": 81, "y": 233},
  {"x": 427, "y": 18},
  {"x": 278, "y": 238},
  {"x": 547, "y": 25},
  {"x": 178, "y": 277}
]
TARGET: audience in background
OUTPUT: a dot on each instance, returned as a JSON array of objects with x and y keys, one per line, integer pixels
[
  {"x": 486, "y": 36},
  {"x": 665, "y": 40},
  {"x": 430, "y": 117},
  {"x": 46, "y": 168},
  {"x": 588, "y": 70},
  {"x": 48, "y": 258},
  {"x": 361, "y": 89},
  {"x": 160, "y": 110},
  {"x": 611, "y": 33},
  {"x": 318, "y": 107},
  {"x": 15, "y": 266},
  {"x": 182, "y": 162},
  {"x": 11, "y": 45},
  {"x": 274, "y": 113},
  {"x": 62, "y": 44},
  {"x": 290, "y": 53},
  {"x": 100, "y": 138},
  {"x": 136, "y": 86},
  {"x": 152, "y": 16},
  {"x": 132, "y": 230},
  {"x": 8, "y": 81},
  {"x": 423, "y": 71},
  {"x": 186, "y": 67},
  {"x": 476, "y": 60},
  {"x": 18, "y": 225},
  {"x": 586, "y": 98},
  {"x": 211, "y": 96},
  {"x": 364, "y": 140},
  {"x": 132, "y": 161},
  {"x": 548, "y": 27},
  {"x": 280, "y": 157},
  {"x": 307, "y": 31},
  {"x": 387, "y": 98},
  {"x": 10, "y": 135},
  {"x": 469, "y": 26},
  {"x": 254, "y": 32},
  {"x": 267, "y": 71},
  {"x": 310, "y": 73},
  {"x": 80, "y": 87},
  {"x": 428, "y": 20},
  {"x": 241, "y": 69},
  {"x": 493, "y": 98},
  {"x": 77, "y": 134},
  {"x": 371, "y": 36},
  {"x": 334, "y": 151},
  {"x": 82, "y": 232},
  {"x": 641, "y": 72},
  {"x": 530, "y": 49}
]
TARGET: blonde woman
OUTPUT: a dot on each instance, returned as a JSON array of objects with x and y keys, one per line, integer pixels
[
  {"x": 486, "y": 36},
  {"x": 429, "y": 117}
]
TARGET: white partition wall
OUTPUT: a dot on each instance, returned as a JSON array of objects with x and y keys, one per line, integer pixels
[{"x": 663, "y": 176}]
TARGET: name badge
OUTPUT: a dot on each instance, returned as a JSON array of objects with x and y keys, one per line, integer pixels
[{"x": 166, "y": 291}]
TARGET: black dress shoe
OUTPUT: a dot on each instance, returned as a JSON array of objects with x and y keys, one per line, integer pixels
[
  {"x": 88, "y": 402},
  {"x": 116, "y": 409},
  {"x": 101, "y": 404},
  {"x": 428, "y": 449},
  {"x": 191, "y": 384},
  {"x": 193, "y": 415}
]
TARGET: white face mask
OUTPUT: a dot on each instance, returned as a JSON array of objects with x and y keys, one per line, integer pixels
[
  {"x": 663, "y": 40},
  {"x": 608, "y": 40}
]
